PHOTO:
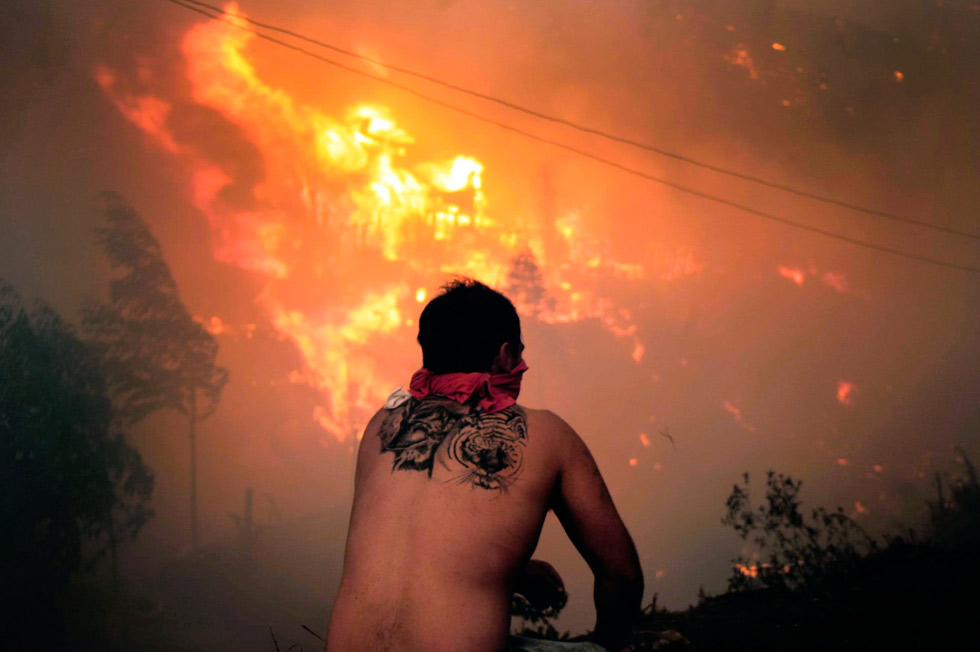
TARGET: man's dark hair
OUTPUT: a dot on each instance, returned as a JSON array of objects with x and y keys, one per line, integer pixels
[{"x": 462, "y": 329}]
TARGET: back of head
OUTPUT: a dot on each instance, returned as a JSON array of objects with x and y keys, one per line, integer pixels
[{"x": 462, "y": 329}]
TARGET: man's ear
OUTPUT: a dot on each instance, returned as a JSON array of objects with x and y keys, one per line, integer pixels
[{"x": 503, "y": 362}]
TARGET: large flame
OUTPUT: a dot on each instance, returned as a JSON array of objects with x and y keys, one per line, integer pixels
[{"x": 350, "y": 238}]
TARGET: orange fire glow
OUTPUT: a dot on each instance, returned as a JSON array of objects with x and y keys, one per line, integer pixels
[
  {"x": 347, "y": 235},
  {"x": 845, "y": 391},
  {"x": 739, "y": 56},
  {"x": 836, "y": 281},
  {"x": 794, "y": 274}
]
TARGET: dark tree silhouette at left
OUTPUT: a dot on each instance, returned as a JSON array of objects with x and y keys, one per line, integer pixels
[
  {"x": 71, "y": 487},
  {"x": 157, "y": 356}
]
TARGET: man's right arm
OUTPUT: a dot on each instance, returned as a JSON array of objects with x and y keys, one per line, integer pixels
[{"x": 583, "y": 505}]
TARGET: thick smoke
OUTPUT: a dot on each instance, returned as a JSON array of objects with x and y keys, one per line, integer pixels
[{"x": 855, "y": 370}]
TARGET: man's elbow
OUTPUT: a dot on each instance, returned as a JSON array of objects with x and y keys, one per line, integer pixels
[
  {"x": 626, "y": 578},
  {"x": 633, "y": 583}
]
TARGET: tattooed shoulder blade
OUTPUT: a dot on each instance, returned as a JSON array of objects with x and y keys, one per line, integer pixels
[
  {"x": 488, "y": 448},
  {"x": 414, "y": 430}
]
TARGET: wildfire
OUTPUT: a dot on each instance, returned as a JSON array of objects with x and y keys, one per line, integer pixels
[{"x": 347, "y": 235}]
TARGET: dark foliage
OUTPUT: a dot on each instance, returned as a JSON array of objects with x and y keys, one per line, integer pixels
[
  {"x": 798, "y": 548},
  {"x": 69, "y": 481},
  {"x": 955, "y": 518},
  {"x": 536, "y": 622},
  {"x": 851, "y": 592}
]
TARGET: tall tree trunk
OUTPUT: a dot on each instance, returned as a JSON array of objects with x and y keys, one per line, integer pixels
[
  {"x": 114, "y": 559},
  {"x": 193, "y": 437}
]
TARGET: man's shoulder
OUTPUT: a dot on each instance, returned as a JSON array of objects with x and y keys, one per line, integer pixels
[
  {"x": 543, "y": 414},
  {"x": 548, "y": 423}
]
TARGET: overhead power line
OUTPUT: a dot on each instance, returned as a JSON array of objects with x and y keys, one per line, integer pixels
[
  {"x": 600, "y": 132},
  {"x": 575, "y": 150}
]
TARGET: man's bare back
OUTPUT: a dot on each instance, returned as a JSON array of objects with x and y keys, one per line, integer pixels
[{"x": 449, "y": 502}]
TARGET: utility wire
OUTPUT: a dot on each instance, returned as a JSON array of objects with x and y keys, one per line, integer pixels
[
  {"x": 601, "y": 133},
  {"x": 609, "y": 162}
]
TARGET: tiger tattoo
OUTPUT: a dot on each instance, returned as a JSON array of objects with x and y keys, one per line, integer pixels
[{"x": 488, "y": 447}]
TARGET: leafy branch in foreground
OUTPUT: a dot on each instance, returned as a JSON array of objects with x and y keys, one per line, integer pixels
[
  {"x": 794, "y": 548},
  {"x": 537, "y": 622}
]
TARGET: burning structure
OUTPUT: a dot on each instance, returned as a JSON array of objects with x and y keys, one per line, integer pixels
[{"x": 350, "y": 230}]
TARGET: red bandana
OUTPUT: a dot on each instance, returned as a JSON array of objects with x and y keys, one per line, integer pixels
[{"x": 496, "y": 391}]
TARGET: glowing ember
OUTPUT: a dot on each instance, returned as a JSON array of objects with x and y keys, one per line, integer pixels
[
  {"x": 644, "y": 439},
  {"x": 794, "y": 274},
  {"x": 836, "y": 281},
  {"x": 750, "y": 570},
  {"x": 638, "y": 352},
  {"x": 736, "y": 413},
  {"x": 878, "y": 468},
  {"x": 779, "y": 47},
  {"x": 740, "y": 57},
  {"x": 899, "y": 76},
  {"x": 860, "y": 508},
  {"x": 845, "y": 391},
  {"x": 842, "y": 461},
  {"x": 634, "y": 461},
  {"x": 732, "y": 409}
]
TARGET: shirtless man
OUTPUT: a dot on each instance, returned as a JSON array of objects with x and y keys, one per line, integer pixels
[{"x": 452, "y": 485}]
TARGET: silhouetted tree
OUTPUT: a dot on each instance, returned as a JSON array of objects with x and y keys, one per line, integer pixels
[
  {"x": 67, "y": 474},
  {"x": 157, "y": 356}
]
